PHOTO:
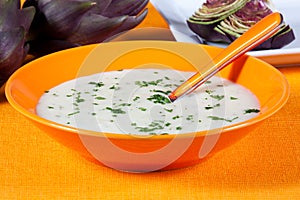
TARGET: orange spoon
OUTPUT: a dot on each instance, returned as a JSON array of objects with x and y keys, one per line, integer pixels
[{"x": 257, "y": 34}]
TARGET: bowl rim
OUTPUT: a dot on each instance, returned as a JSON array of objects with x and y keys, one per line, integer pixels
[{"x": 72, "y": 130}]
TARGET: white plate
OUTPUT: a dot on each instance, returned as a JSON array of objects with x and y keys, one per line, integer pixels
[{"x": 176, "y": 12}]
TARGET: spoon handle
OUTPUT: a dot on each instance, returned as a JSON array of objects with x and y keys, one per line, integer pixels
[{"x": 257, "y": 34}]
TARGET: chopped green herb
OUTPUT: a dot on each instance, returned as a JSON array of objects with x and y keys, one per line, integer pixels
[
  {"x": 142, "y": 109},
  {"x": 97, "y": 84},
  {"x": 253, "y": 110},
  {"x": 163, "y": 92},
  {"x": 218, "y": 97},
  {"x": 221, "y": 118},
  {"x": 50, "y": 107},
  {"x": 155, "y": 125},
  {"x": 168, "y": 85},
  {"x": 157, "y": 98},
  {"x": 168, "y": 110},
  {"x": 211, "y": 107},
  {"x": 178, "y": 128},
  {"x": 136, "y": 98},
  {"x": 79, "y": 100},
  {"x": 114, "y": 87},
  {"x": 125, "y": 104},
  {"x": 207, "y": 82},
  {"x": 147, "y": 83},
  {"x": 167, "y": 78},
  {"x": 141, "y": 83},
  {"x": 209, "y": 91},
  {"x": 73, "y": 113},
  {"x": 190, "y": 117},
  {"x": 176, "y": 117},
  {"x": 208, "y": 107},
  {"x": 94, "y": 114},
  {"x": 116, "y": 110},
  {"x": 100, "y": 98},
  {"x": 168, "y": 124},
  {"x": 233, "y": 98}
]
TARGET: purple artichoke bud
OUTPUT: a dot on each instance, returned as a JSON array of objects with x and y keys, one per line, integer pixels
[
  {"x": 65, "y": 24},
  {"x": 14, "y": 24}
]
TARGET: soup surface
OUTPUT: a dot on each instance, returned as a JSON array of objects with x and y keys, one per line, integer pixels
[{"x": 136, "y": 102}]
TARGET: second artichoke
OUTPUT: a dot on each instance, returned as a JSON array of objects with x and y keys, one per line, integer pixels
[
  {"x": 14, "y": 26},
  {"x": 61, "y": 24}
]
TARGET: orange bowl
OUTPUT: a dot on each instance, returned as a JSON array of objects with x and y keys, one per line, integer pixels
[{"x": 143, "y": 153}]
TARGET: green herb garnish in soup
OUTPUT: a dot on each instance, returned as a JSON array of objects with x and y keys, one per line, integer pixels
[{"x": 136, "y": 102}]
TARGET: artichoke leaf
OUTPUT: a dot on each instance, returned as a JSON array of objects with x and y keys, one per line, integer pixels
[
  {"x": 95, "y": 28},
  {"x": 26, "y": 16},
  {"x": 209, "y": 32},
  {"x": 9, "y": 6},
  {"x": 139, "y": 8},
  {"x": 12, "y": 16},
  {"x": 80, "y": 22},
  {"x": 125, "y": 7},
  {"x": 63, "y": 16},
  {"x": 12, "y": 52},
  {"x": 9, "y": 41},
  {"x": 8, "y": 9},
  {"x": 283, "y": 37},
  {"x": 211, "y": 15},
  {"x": 100, "y": 7},
  {"x": 129, "y": 23}
]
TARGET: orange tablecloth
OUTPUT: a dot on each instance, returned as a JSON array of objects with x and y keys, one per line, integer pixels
[{"x": 264, "y": 165}]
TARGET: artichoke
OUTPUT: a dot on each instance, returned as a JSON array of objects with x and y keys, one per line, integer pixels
[
  {"x": 226, "y": 20},
  {"x": 61, "y": 24},
  {"x": 14, "y": 26}
]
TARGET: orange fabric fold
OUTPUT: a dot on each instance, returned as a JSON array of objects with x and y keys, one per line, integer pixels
[{"x": 264, "y": 165}]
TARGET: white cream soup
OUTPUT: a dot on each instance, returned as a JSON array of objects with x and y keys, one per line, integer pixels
[{"x": 136, "y": 102}]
